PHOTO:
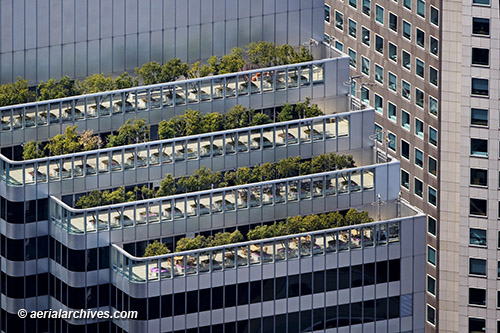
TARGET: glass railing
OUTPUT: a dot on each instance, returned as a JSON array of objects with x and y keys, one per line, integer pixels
[
  {"x": 166, "y": 95},
  {"x": 217, "y": 201},
  {"x": 157, "y": 153},
  {"x": 272, "y": 250}
]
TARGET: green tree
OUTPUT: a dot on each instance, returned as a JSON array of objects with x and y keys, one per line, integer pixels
[
  {"x": 238, "y": 116},
  {"x": 167, "y": 186},
  {"x": 232, "y": 62},
  {"x": 117, "y": 196},
  {"x": 156, "y": 249},
  {"x": 64, "y": 144},
  {"x": 262, "y": 54},
  {"x": 305, "y": 168},
  {"x": 150, "y": 73},
  {"x": 344, "y": 162},
  {"x": 95, "y": 83},
  {"x": 259, "y": 232},
  {"x": 125, "y": 81},
  {"x": 174, "y": 127},
  {"x": 187, "y": 244},
  {"x": 92, "y": 199},
  {"x": 173, "y": 70},
  {"x": 198, "y": 70},
  {"x": 15, "y": 93},
  {"x": 284, "y": 54},
  {"x": 260, "y": 119},
  {"x": 129, "y": 133},
  {"x": 53, "y": 89},
  {"x": 265, "y": 172},
  {"x": 192, "y": 121},
  {"x": 32, "y": 150},
  {"x": 244, "y": 175},
  {"x": 323, "y": 163},
  {"x": 303, "y": 55},
  {"x": 286, "y": 113},
  {"x": 335, "y": 219},
  {"x": 225, "y": 238},
  {"x": 212, "y": 122},
  {"x": 353, "y": 217},
  {"x": 294, "y": 225},
  {"x": 288, "y": 167},
  {"x": 144, "y": 192}
]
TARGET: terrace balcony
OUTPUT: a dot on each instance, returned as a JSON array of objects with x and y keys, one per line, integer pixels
[
  {"x": 224, "y": 150},
  {"x": 261, "y": 88},
  {"x": 394, "y": 217},
  {"x": 230, "y": 206}
]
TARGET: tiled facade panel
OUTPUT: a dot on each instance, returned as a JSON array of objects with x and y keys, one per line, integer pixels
[{"x": 47, "y": 39}]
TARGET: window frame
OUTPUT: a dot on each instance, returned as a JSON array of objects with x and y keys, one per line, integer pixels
[
  {"x": 377, "y": 6},
  {"x": 477, "y": 305},
  {"x": 395, "y": 120},
  {"x": 409, "y": 150},
  {"x": 395, "y": 90},
  {"x": 408, "y": 54},
  {"x": 417, "y": 66},
  {"x": 431, "y": 38},
  {"x": 409, "y": 180},
  {"x": 435, "y": 226},
  {"x": 417, "y": 11},
  {"x": 355, "y": 28},
  {"x": 406, "y": 126},
  {"x": 329, "y": 13},
  {"x": 403, "y": 83},
  {"x": 341, "y": 49},
  {"x": 363, "y": 30},
  {"x": 335, "y": 20},
  {"x": 429, "y": 157},
  {"x": 418, "y": 120},
  {"x": 478, "y": 245},
  {"x": 377, "y": 36},
  {"x": 369, "y": 8},
  {"x": 418, "y": 152},
  {"x": 482, "y": 155},
  {"x": 352, "y": 63},
  {"x": 471, "y": 178},
  {"x": 477, "y": 215},
  {"x": 431, "y": 68},
  {"x": 429, "y": 188},
  {"x": 478, "y": 64},
  {"x": 375, "y": 74},
  {"x": 395, "y": 148},
  {"x": 367, "y": 60},
  {"x": 478, "y": 94},
  {"x": 430, "y": 130},
  {"x": 429, "y": 107},
  {"x": 430, "y": 15},
  {"x": 478, "y": 124},
  {"x": 405, "y": 5},
  {"x": 417, "y": 92},
  {"x": 375, "y": 96},
  {"x": 479, "y": 34},
  {"x": 429, "y": 247},
  {"x": 408, "y": 38},
  {"x": 391, "y": 14},
  {"x": 474, "y": 274},
  {"x": 428, "y": 306},
  {"x": 415, "y": 179},
  {"x": 433, "y": 293},
  {"x": 417, "y": 30},
  {"x": 395, "y": 47}
]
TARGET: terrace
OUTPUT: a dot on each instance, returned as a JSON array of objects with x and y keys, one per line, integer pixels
[
  {"x": 205, "y": 209},
  {"x": 266, "y": 251},
  {"x": 166, "y": 96},
  {"x": 331, "y": 132}
]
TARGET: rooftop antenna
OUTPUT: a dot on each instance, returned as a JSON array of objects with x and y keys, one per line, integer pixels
[{"x": 379, "y": 203}]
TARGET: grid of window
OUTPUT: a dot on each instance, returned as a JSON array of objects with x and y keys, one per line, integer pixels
[
  {"x": 379, "y": 44},
  {"x": 379, "y": 74},
  {"x": 379, "y": 132},
  {"x": 392, "y": 141},
  {"x": 419, "y": 158},
  {"x": 431, "y": 315},
  {"x": 353, "y": 28},
  {"x": 419, "y": 188},
  {"x": 477, "y": 237},
  {"x": 353, "y": 3},
  {"x": 479, "y": 177},
  {"x": 433, "y": 76},
  {"x": 366, "y": 7},
  {"x": 433, "y": 106},
  {"x": 407, "y": 4},
  {"x": 434, "y": 46},
  {"x": 391, "y": 111},
  {"x": 405, "y": 179},
  {"x": 477, "y": 325},
  {"x": 339, "y": 46},
  {"x": 434, "y": 16},
  {"x": 365, "y": 95},
  {"x": 477, "y": 296},
  {"x": 481, "y": 2},
  {"x": 432, "y": 166}
]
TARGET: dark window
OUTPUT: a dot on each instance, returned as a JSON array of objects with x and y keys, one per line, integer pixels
[
  {"x": 479, "y": 117},
  {"x": 179, "y": 304},
  {"x": 91, "y": 259},
  {"x": 327, "y": 13},
  {"x": 30, "y": 207},
  {"x": 242, "y": 293},
  {"x": 218, "y": 297},
  {"x": 477, "y": 236},
  {"x": 103, "y": 257},
  {"x": 394, "y": 270},
  {"x": 369, "y": 274},
  {"x": 431, "y": 285},
  {"x": 356, "y": 276},
  {"x": 478, "y": 207},
  {"x": 480, "y": 26},
  {"x": 381, "y": 271},
  {"x": 356, "y": 313},
  {"x": 267, "y": 290},
  {"x": 405, "y": 179},
  {"x": 480, "y": 56},
  {"x": 419, "y": 188},
  {"x": 76, "y": 261},
  {"x": 381, "y": 308},
  {"x": 394, "y": 307},
  {"x": 431, "y": 315},
  {"x": 306, "y": 284},
  {"x": 393, "y": 22},
  {"x": 331, "y": 279},
  {"x": 369, "y": 311},
  {"x": 477, "y": 296},
  {"x": 420, "y": 38},
  {"x": 431, "y": 255},
  {"x": 205, "y": 299},
  {"x": 15, "y": 212},
  {"x": 481, "y": 2},
  {"x": 305, "y": 321},
  {"x": 230, "y": 295},
  {"x": 477, "y": 266},
  {"x": 344, "y": 278},
  {"x": 281, "y": 287},
  {"x": 479, "y": 177},
  {"x": 331, "y": 317},
  {"x": 477, "y": 325},
  {"x": 405, "y": 149},
  {"x": 319, "y": 282},
  {"x": 192, "y": 301},
  {"x": 293, "y": 286},
  {"x": 434, "y": 16},
  {"x": 343, "y": 319},
  {"x": 480, "y": 87},
  {"x": 15, "y": 249},
  {"x": 479, "y": 147},
  {"x": 318, "y": 320}
]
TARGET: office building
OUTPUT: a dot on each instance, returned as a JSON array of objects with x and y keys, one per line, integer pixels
[{"x": 430, "y": 70}]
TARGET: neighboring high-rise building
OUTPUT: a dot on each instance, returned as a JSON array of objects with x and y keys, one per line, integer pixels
[{"x": 431, "y": 70}]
